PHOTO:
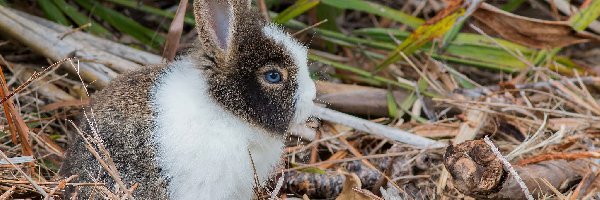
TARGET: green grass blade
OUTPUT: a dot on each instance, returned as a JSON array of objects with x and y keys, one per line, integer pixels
[
  {"x": 366, "y": 74},
  {"x": 152, "y": 10},
  {"x": 585, "y": 17},
  {"x": 81, "y": 19},
  {"x": 293, "y": 11},
  {"x": 376, "y": 9},
  {"x": 391, "y": 104},
  {"x": 383, "y": 35},
  {"x": 423, "y": 35},
  {"x": 124, "y": 24},
  {"x": 329, "y": 13},
  {"x": 53, "y": 13},
  {"x": 512, "y": 5},
  {"x": 408, "y": 102}
]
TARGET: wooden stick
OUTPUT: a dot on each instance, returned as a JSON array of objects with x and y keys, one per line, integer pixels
[
  {"x": 33, "y": 183},
  {"x": 375, "y": 129},
  {"x": 47, "y": 42}
]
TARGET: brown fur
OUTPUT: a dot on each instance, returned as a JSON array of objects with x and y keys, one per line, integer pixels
[{"x": 124, "y": 122}]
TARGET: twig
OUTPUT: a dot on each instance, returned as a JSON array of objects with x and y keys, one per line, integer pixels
[
  {"x": 256, "y": 179},
  {"x": 375, "y": 129},
  {"x": 555, "y": 112},
  {"x": 477, "y": 92},
  {"x": 60, "y": 186},
  {"x": 18, "y": 160},
  {"x": 263, "y": 9},
  {"x": 509, "y": 167},
  {"x": 387, "y": 155},
  {"x": 19, "y": 125},
  {"x": 310, "y": 27},
  {"x": 559, "y": 156},
  {"x": 52, "y": 183},
  {"x": 133, "y": 187},
  {"x": 33, "y": 77},
  {"x": 33, "y": 183},
  {"x": 75, "y": 30},
  {"x": 277, "y": 187},
  {"x": 8, "y": 193},
  {"x": 111, "y": 172},
  {"x": 315, "y": 149}
]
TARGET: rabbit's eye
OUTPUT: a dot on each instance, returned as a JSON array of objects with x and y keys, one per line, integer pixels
[{"x": 273, "y": 76}]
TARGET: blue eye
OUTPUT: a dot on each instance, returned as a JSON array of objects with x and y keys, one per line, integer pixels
[{"x": 273, "y": 76}]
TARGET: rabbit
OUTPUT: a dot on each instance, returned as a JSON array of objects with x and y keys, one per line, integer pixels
[{"x": 188, "y": 129}]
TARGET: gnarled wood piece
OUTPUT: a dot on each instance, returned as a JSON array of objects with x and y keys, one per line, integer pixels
[{"x": 476, "y": 172}]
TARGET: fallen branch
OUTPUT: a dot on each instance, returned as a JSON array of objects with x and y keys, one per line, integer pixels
[
  {"x": 47, "y": 42},
  {"x": 375, "y": 129},
  {"x": 359, "y": 100},
  {"x": 115, "y": 48}
]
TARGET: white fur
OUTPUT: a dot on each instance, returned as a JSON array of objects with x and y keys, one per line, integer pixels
[
  {"x": 203, "y": 148},
  {"x": 306, "y": 91}
]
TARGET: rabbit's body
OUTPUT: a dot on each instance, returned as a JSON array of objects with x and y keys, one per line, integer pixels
[
  {"x": 191, "y": 125},
  {"x": 186, "y": 130}
]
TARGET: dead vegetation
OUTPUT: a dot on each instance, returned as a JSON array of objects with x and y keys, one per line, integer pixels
[{"x": 409, "y": 87}]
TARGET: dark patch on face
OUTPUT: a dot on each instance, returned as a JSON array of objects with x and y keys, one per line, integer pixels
[{"x": 239, "y": 85}]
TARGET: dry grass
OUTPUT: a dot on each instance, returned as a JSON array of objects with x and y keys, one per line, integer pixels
[{"x": 532, "y": 116}]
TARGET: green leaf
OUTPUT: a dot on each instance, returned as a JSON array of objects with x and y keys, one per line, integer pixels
[
  {"x": 408, "y": 102},
  {"x": 312, "y": 170},
  {"x": 376, "y": 9},
  {"x": 293, "y": 11},
  {"x": 329, "y": 13},
  {"x": 420, "y": 37},
  {"x": 383, "y": 34},
  {"x": 152, "y": 10},
  {"x": 466, "y": 48},
  {"x": 366, "y": 74},
  {"x": 585, "y": 17},
  {"x": 391, "y": 104},
  {"x": 512, "y": 5},
  {"x": 81, "y": 19},
  {"x": 53, "y": 13},
  {"x": 124, "y": 24}
]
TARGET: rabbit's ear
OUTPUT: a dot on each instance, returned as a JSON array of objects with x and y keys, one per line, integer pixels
[{"x": 216, "y": 22}]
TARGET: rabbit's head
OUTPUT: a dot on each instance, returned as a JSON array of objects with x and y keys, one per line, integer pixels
[{"x": 254, "y": 69}]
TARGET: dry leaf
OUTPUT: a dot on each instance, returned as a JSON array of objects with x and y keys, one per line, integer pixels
[
  {"x": 175, "y": 32},
  {"x": 305, "y": 197},
  {"x": 349, "y": 192},
  {"x": 528, "y": 31}
]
